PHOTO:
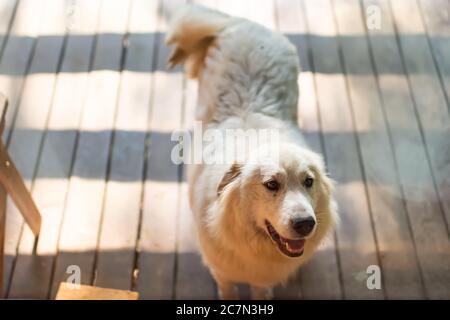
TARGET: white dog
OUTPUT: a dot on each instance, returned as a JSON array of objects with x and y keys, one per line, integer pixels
[{"x": 259, "y": 219}]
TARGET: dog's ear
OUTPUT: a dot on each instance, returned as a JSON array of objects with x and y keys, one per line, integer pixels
[
  {"x": 326, "y": 183},
  {"x": 228, "y": 177},
  {"x": 326, "y": 200}
]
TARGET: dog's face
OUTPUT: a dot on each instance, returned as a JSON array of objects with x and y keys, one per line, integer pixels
[{"x": 289, "y": 199}]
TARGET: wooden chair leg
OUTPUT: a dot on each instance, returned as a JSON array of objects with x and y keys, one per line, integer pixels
[
  {"x": 15, "y": 187},
  {"x": 2, "y": 235}
]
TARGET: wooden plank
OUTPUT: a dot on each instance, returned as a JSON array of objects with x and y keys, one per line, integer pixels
[
  {"x": 194, "y": 280},
  {"x": 157, "y": 243},
  {"x": 429, "y": 97},
  {"x": 3, "y": 108},
  {"x": 261, "y": 12},
  {"x": 422, "y": 203},
  {"x": 401, "y": 274},
  {"x": 233, "y": 7},
  {"x": 82, "y": 218},
  {"x": 121, "y": 215},
  {"x": 37, "y": 94},
  {"x": 33, "y": 268},
  {"x": 190, "y": 268},
  {"x": 67, "y": 292},
  {"x": 17, "y": 54},
  {"x": 2, "y": 235},
  {"x": 436, "y": 16},
  {"x": 319, "y": 278},
  {"x": 7, "y": 10},
  {"x": 355, "y": 237}
]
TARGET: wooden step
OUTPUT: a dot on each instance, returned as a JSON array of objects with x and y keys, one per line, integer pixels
[{"x": 67, "y": 291}]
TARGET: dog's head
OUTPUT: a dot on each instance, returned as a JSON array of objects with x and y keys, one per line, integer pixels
[{"x": 289, "y": 201}]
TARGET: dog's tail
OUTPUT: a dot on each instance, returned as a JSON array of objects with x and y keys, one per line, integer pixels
[{"x": 192, "y": 30}]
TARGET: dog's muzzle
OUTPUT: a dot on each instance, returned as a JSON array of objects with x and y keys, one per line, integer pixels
[{"x": 289, "y": 247}]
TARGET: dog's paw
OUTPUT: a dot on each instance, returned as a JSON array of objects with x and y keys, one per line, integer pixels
[
  {"x": 228, "y": 292},
  {"x": 260, "y": 293}
]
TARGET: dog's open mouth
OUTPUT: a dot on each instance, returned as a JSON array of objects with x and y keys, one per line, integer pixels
[{"x": 290, "y": 247}]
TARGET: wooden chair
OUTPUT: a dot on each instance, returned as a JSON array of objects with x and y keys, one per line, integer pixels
[{"x": 12, "y": 183}]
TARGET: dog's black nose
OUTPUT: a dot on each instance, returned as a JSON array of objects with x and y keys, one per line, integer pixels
[{"x": 304, "y": 225}]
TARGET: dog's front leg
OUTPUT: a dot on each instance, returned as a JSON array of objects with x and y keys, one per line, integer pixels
[
  {"x": 261, "y": 293},
  {"x": 227, "y": 289}
]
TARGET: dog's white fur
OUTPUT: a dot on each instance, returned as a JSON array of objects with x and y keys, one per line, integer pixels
[{"x": 248, "y": 79}]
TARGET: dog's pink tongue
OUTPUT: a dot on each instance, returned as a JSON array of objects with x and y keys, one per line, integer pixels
[{"x": 296, "y": 244}]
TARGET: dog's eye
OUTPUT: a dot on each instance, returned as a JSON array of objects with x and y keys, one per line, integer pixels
[
  {"x": 272, "y": 185},
  {"x": 308, "y": 182}
]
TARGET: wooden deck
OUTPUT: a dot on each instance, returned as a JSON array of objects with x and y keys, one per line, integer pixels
[{"x": 92, "y": 108}]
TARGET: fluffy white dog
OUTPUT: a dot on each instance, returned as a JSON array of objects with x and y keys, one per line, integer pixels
[{"x": 259, "y": 219}]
